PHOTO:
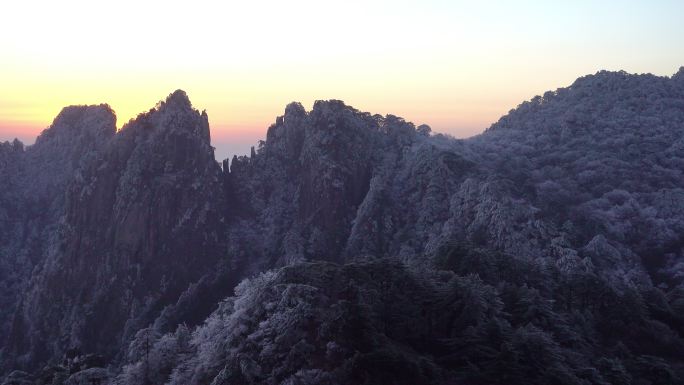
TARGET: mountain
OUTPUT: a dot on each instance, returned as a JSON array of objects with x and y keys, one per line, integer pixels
[
  {"x": 140, "y": 222},
  {"x": 352, "y": 248}
]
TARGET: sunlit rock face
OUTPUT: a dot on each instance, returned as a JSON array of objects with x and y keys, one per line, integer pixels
[{"x": 559, "y": 229}]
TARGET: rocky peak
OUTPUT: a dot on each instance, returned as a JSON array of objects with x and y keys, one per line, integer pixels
[
  {"x": 179, "y": 99},
  {"x": 331, "y": 109},
  {"x": 295, "y": 110},
  {"x": 176, "y": 132},
  {"x": 286, "y": 136},
  {"x": 175, "y": 116},
  {"x": 78, "y": 134},
  {"x": 76, "y": 125},
  {"x": 331, "y": 130}
]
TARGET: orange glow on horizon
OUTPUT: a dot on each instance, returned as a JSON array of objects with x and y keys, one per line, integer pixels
[
  {"x": 241, "y": 129},
  {"x": 457, "y": 66}
]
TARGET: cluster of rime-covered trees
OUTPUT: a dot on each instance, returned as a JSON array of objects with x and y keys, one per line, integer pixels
[
  {"x": 603, "y": 156},
  {"x": 480, "y": 318}
]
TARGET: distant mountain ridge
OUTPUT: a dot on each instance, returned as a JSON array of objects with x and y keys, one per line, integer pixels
[{"x": 558, "y": 230}]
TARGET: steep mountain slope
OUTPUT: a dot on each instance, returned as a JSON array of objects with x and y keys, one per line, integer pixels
[
  {"x": 32, "y": 198},
  {"x": 142, "y": 220},
  {"x": 338, "y": 184},
  {"x": 558, "y": 231},
  {"x": 302, "y": 190}
]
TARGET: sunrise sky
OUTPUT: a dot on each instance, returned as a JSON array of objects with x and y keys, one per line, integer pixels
[{"x": 455, "y": 65}]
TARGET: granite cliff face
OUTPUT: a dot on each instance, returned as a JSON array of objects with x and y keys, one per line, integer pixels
[
  {"x": 33, "y": 195},
  {"x": 338, "y": 184},
  {"x": 558, "y": 230},
  {"x": 140, "y": 220}
]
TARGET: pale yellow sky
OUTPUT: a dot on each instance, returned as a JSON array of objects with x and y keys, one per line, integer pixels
[{"x": 455, "y": 65}]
